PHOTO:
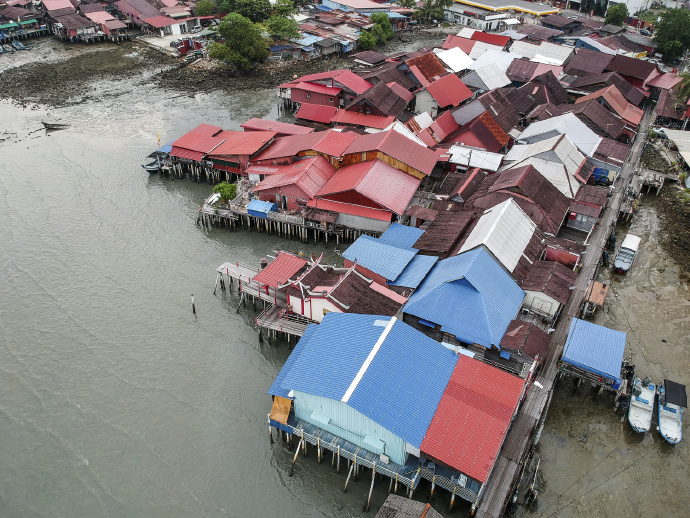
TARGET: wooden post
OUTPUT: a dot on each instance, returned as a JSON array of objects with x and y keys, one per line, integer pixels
[
  {"x": 333, "y": 459},
  {"x": 371, "y": 488},
  {"x": 294, "y": 459},
  {"x": 270, "y": 433},
  {"x": 396, "y": 484},
  {"x": 318, "y": 450},
  {"x": 193, "y": 306},
  {"x": 337, "y": 469},
  {"x": 304, "y": 441},
  {"x": 390, "y": 486},
  {"x": 214, "y": 288},
  {"x": 354, "y": 463},
  {"x": 452, "y": 499},
  {"x": 347, "y": 481},
  {"x": 433, "y": 486}
]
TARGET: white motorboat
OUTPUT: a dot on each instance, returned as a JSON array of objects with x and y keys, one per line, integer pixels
[
  {"x": 642, "y": 405},
  {"x": 672, "y": 401}
]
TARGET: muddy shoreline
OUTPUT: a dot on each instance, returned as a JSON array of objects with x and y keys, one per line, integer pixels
[{"x": 67, "y": 79}]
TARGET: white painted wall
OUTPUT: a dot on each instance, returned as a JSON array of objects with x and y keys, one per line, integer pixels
[
  {"x": 540, "y": 303},
  {"x": 313, "y": 308}
]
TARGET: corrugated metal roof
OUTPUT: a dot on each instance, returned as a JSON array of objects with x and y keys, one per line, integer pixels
[
  {"x": 316, "y": 113},
  {"x": 454, "y": 58},
  {"x": 473, "y": 417},
  {"x": 361, "y": 119},
  {"x": 505, "y": 230},
  {"x": 349, "y": 208},
  {"x": 280, "y": 270},
  {"x": 567, "y": 124},
  {"x": 385, "y": 260},
  {"x": 494, "y": 39},
  {"x": 242, "y": 142},
  {"x": 631, "y": 67},
  {"x": 595, "y": 348},
  {"x": 474, "y": 157},
  {"x": 396, "y": 146},
  {"x": 276, "y": 388},
  {"x": 492, "y": 76},
  {"x": 415, "y": 271},
  {"x": 401, "y": 386},
  {"x": 470, "y": 295},
  {"x": 449, "y": 91},
  {"x": 463, "y": 44},
  {"x": 281, "y": 128},
  {"x": 316, "y": 88},
  {"x": 401, "y": 236},
  {"x": 261, "y": 206}
]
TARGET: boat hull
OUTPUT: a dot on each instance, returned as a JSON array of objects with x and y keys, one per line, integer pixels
[
  {"x": 55, "y": 125},
  {"x": 641, "y": 406},
  {"x": 670, "y": 420}
]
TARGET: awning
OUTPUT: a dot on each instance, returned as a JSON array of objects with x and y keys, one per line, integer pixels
[
  {"x": 280, "y": 409},
  {"x": 511, "y": 21},
  {"x": 10, "y": 25},
  {"x": 675, "y": 393},
  {"x": 27, "y": 22}
]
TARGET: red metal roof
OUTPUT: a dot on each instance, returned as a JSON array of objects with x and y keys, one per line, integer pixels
[
  {"x": 473, "y": 417},
  {"x": 316, "y": 113},
  {"x": 396, "y": 146},
  {"x": 316, "y": 88},
  {"x": 194, "y": 145},
  {"x": 401, "y": 91},
  {"x": 207, "y": 129},
  {"x": 361, "y": 119},
  {"x": 334, "y": 143},
  {"x": 449, "y": 90},
  {"x": 462, "y": 43},
  {"x": 242, "y": 142},
  {"x": 376, "y": 180},
  {"x": 281, "y": 128},
  {"x": 493, "y": 39},
  {"x": 330, "y": 142},
  {"x": 346, "y": 78},
  {"x": 348, "y": 208},
  {"x": 280, "y": 270},
  {"x": 160, "y": 21},
  {"x": 309, "y": 175}
]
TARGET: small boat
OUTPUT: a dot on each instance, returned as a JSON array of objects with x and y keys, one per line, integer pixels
[
  {"x": 18, "y": 45},
  {"x": 157, "y": 158},
  {"x": 642, "y": 405},
  {"x": 672, "y": 402},
  {"x": 9, "y": 48},
  {"x": 55, "y": 125},
  {"x": 152, "y": 167},
  {"x": 2, "y": 50}
]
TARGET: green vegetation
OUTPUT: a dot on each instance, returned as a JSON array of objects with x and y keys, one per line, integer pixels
[
  {"x": 617, "y": 14},
  {"x": 204, "y": 8},
  {"x": 672, "y": 33},
  {"x": 367, "y": 40},
  {"x": 281, "y": 27},
  {"x": 683, "y": 89},
  {"x": 227, "y": 191},
  {"x": 379, "y": 33},
  {"x": 243, "y": 45},
  {"x": 431, "y": 10}
]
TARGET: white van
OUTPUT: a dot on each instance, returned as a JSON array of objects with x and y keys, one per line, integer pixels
[{"x": 626, "y": 254}]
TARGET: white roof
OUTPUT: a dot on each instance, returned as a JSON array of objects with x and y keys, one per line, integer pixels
[
  {"x": 524, "y": 49},
  {"x": 497, "y": 57},
  {"x": 568, "y": 124},
  {"x": 480, "y": 47},
  {"x": 491, "y": 75},
  {"x": 556, "y": 54},
  {"x": 466, "y": 32},
  {"x": 475, "y": 157},
  {"x": 556, "y": 158},
  {"x": 631, "y": 242},
  {"x": 594, "y": 43},
  {"x": 505, "y": 230},
  {"x": 547, "y": 61},
  {"x": 682, "y": 140},
  {"x": 512, "y": 21},
  {"x": 405, "y": 131},
  {"x": 424, "y": 120},
  {"x": 454, "y": 58}
]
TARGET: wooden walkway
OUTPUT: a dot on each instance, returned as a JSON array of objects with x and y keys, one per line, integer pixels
[
  {"x": 530, "y": 418},
  {"x": 276, "y": 318},
  {"x": 246, "y": 286}
]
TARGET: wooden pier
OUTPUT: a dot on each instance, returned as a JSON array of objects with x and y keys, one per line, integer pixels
[
  {"x": 526, "y": 428},
  {"x": 631, "y": 198},
  {"x": 278, "y": 319}
]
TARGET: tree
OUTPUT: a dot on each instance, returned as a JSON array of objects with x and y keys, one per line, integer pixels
[
  {"x": 683, "y": 89},
  {"x": 429, "y": 11},
  {"x": 227, "y": 191},
  {"x": 243, "y": 46},
  {"x": 367, "y": 40},
  {"x": 408, "y": 4},
  {"x": 381, "y": 20},
  {"x": 672, "y": 33},
  {"x": 204, "y": 8},
  {"x": 284, "y": 8},
  {"x": 282, "y": 28},
  {"x": 225, "y": 6},
  {"x": 617, "y": 14},
  {"x": 255, "y": 10}
]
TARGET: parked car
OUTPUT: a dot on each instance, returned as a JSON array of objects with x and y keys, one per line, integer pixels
[
  {"x": 659, "y": 131},
  {"x": 627, "y": 253},
  {"x": 175, "y": 43},
  {"x": 196, "y": 28},
  {"x": 645, "y": 32}
]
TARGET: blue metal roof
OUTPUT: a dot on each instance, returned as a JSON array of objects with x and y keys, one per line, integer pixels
[
  {"x": 385, "y": 260},
  {"x": 276, "y": 389},
  {"x": 322, "y": 7},
  {"x": 400, "y": 388},
  {"x": 261, "y": 206},
  {"x": 415, "y": 271},
  {"x": 401, "y": 236},
  {"x": 309, "y": 39},
  {"x": 395, "y": 15},
  {"x": 470, "y": 295},
  {"x": 595, "y": 348},
  {"x": 334, "y": 354}
]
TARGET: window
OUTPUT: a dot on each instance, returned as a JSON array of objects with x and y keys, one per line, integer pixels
[
  {"x": 308, "y": 96},
  {"x": 330, "y": 99}
]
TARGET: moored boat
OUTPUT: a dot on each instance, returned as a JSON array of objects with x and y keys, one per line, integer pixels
[
  {"x": 55, "y": 125},
  {"x": 157, "y": 159},
  {"x": 9, "y": 48},
  {"x": 152, "y": 167},
  {"x": 642, "y": 405},
  {"x": 18, "y": 45},
  {"x": 672, "y": 402}
]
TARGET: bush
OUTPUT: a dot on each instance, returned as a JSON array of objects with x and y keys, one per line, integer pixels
[{"x": 227, "y": 191}]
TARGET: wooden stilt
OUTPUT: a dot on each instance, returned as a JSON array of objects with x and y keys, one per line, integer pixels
[
  {"x": 371, "y": 488},
  {"x": 270, "y": 433},
  {"x": 452, "y": 499},
  {"x": 396, "y": 484},
  {"x": 347, "y": 481},
  {"x": 318, "y": 450},
  {"x": 337, "y": 469},
  {"x": 294, "y": 459}
]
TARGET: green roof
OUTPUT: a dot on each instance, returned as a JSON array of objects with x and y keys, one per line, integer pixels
[
  {"x": 8, "y": 25},
  {"x": 26, "y": 22}
]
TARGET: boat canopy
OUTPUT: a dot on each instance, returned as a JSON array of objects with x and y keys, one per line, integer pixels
[
  {"x": 675, "y": 393},
  {"x": 165, "y": 150},
  {"x": 631, "y": 242}
]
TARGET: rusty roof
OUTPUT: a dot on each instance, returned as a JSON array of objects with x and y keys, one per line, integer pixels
[
  {"x": 587, "y": 62},
  {"x": 631, "y": 67},
  {"x": 559, "y": 21},
  {"x": 281, "y": 128},
  {"x": 444, "y": 232},
  {"x": 593, "y": 195},
  {"x": 499, "y": 106},
  {"x": 538, "y": 33},
  {"x": 598, "y": 81},
  {"x": 551, "y": 278},
  {"x": 429, "y": 66},
  {"x": 381, "y": 97},
  {"x": 526, "y": 338},
  {"x": 449, "y": 90},
  {"x": 596, "y": 116}
]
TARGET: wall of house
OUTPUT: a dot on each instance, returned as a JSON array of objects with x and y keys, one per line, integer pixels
[
  {"x": 354, "y": 198},
  {"x": 425, "y": 103},
  {"x": 348, "y": 424},
  {"x": 302, "y": 96},
  {"x": 291, "y": 192},
  {"x": 313, "y": 308},
  {"x": 362, "y": 223},
  {"x": 541, "y": 303}
]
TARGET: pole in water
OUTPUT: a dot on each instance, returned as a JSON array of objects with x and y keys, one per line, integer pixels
[{"x": 193, "y": 306}]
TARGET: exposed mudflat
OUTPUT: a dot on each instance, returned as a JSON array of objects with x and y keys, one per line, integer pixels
[{"x": 55, "y": 74}]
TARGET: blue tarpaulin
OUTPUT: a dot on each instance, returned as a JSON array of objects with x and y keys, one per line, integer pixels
[{"x": 260, "y": 209}]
